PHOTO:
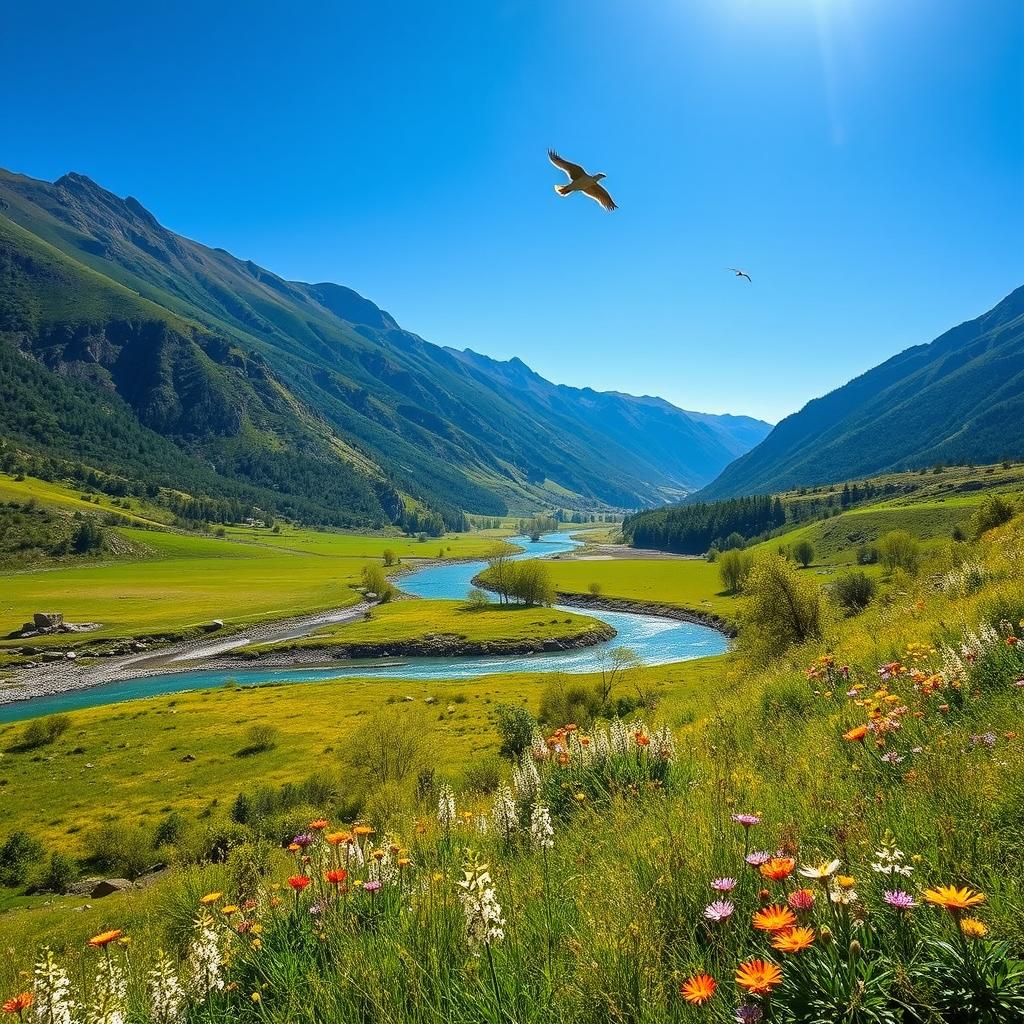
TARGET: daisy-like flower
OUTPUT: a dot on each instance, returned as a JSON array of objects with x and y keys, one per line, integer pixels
[
  {"x": 758, "y": 976},
  {"x": 210, "y": 897},
  {"x": 801, "y": 900},
  {"x": 698, "y": 989},
  {"x": 793, "y": 940},
  {"x": 856, "y": 735},
  {"x": 303, "y": 840},
  {"x": 955, "y": 900},
  {"x": 105, "y": 938},
  {"x": 318, "y": 825},
  {"x": 298, "y": 882},
  {"x": 843, "y": 895},
  {"x": 824, "y": 870},
  {"x": 336, "y": 877},
  {"x": 22, "y": 1001},
  {"x": 898, "y": 899},
  {"x": 758, "y": 857},
  {"x": 775, "y": 918},
  {"x": 778, "y": 868},
  {"x": 720, "y": 910},
  {"x": 973, "y": 928},
  {"x": 724, "y": 884},
  {"x": 746, "y": 820},
  {"x": 371, "y": 887}
]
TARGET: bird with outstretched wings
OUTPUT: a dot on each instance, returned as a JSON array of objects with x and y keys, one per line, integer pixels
[
  {"x": 740, "y": 273},
  {"x": 581, "y": 181}
]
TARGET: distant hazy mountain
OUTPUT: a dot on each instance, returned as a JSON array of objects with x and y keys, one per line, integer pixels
[
  {"x": 307, "y": 397},
  {"x": 960, "y": 398}
]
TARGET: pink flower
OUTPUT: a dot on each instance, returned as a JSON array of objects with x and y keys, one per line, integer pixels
[
  {"x": 801, "y": 899},
  {"x": 758, "y": 857},
  {"x": 746, "y": 820},
  {"x": 899, "y": 899},
  {"x": 371, "y": 887},
  {"x": 724, "y": 884},
  {"x": 720, "y": 910}
]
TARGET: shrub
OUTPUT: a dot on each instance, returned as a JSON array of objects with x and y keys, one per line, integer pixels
[
  {"x": 19, "y": 854},
  {"x": 42, "y": 731},
  {"x": 390, "y": 558},
  {"x": 853, "y": 591},
  {"x": 515, "y": 726},
  {"x": 867, "y": 554},
  {"x": 390, "y": 745},
  {"x": 259, "y": 739},
  {"x": 375, "y": 581},
  {"x": 120, "y": 849},
  {"x": 733, "y": 568},
  {"x": 170, "y": 831},
  {"x": 477, "y": 599},
  {"x": 803, "y": 552},
  {"x": 569, "y": 703},
  {"x": 595, "y": 589},
  {"x": 783, "y": 608},
  {"x": 898, "y": 550},
  {"x": 60, "y": 873},
  {"x": 992, "y": 513},
  {"x": 483, "y": 774}
]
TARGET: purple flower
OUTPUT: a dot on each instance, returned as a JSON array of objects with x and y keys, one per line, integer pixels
[
  {"x": 986, "y": 739},
  {"x": 758, "y": 857},
  {"x": 746, "y": 820},
  {"x": 304, "y": 840},
  {"x": 724, "y": 884},
  {"x": 748, "y": 1014},
  {"x": 893, "y": 758},
  {"x": 720, "y": 910},
  {"x": 899, "y": 899},
  {"x": 316, "y": 908},
  {"x": 371, "y": 887},
  {"x": 1019, "y": 683}
]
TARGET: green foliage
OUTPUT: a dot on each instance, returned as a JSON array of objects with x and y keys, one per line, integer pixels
[
  {"x": 734, "y": 567},
  {"x": 61, "y": 872},
  {"x": 120, "y": 849},
  {"x": 19, "y": 856},
  {"x": 899, "y": 550},
  {"x": 260, "y": 738},
  {"x": 782, "y": 608},
  {"x": 375, "y": 581},
  {"x": 803, "y": 552},
  {"x": 993, "y": 512},
  {"x": 528, "y": 582},
  {"x": 853, "y": 591},
  {"x": 40, "y": 732},
  {"x": 515, "y": 726},
  {"x": 477, "y": 599}
]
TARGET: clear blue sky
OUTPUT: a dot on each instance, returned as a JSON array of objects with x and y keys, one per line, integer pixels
[{"x": 863, "y": 159}]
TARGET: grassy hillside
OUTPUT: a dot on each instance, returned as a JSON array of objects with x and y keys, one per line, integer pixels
[
  {"x": 957, "y": 399},
  {"x": 852, "y": 748}
]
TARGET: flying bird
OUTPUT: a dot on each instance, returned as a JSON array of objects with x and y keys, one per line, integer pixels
[
  {"x": 740, "y": 273},
  {"x": 580, "y": 181}
]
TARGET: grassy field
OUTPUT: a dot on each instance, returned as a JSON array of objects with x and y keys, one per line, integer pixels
[
  {"x": 687, "y": 583},
  {"x": 416, "y": 621}
]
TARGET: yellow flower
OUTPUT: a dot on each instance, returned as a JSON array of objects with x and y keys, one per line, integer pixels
[
  {"x": 229, "y": 909},
  {"x": 973, "y": 928},
  {"x": 256, "y": 997},
  {"x": 105, "y": 938},
  {"x": 845, "y": 881},
  {"x": 950, "y": 898},
  {"x": 211, "y": 897}
]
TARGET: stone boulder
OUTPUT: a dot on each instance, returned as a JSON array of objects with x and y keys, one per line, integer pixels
[
  {"x": 109, "y": 886},
  {"x": 47, "y": 620}
]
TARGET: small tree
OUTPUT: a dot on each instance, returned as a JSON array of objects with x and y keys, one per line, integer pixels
[
  {"x": 898, "y": 550},
  {"x": 992, "y": 513},
  {"x": 515, "y": 726},
  {"x": 477, "y": 599},
  {"x": 595, "y": 589},
  {"x": 390, "y": 558},
  {"x": 376, "y": 582},
  {"x": 733, "y": 568},
  {"x": 782, "y": 608},
  {"x": 803, "y": 552},
  {"x": 853, "y": 591}
]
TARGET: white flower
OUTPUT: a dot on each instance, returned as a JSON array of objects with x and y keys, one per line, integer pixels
[
  {"x": 618, "y": 738},
  {"x": 166, "y": 994},
  {"x": 482, "y": 824},
  {"x": 484, "y": 923},
  {"x": 526, "y": 778},
  {"x": 106, "y": 1005},
  {"x": 663, "y": 744},
  {"x": 446, "y": 807},
  {"x": 503, "y": 813},
  {"x": 890, "y": 860},
  {"x": 51, "y": 989},
  {"x": 541, "y": 831},
  {"x": 205, "y": 961},
  {"x": 842, "y": 896}
]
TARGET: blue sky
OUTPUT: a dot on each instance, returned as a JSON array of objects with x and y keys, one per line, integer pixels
[{"x": 863, "y": 159}]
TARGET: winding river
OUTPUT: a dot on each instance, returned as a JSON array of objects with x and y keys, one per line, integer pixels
[{"x": 654, "y": 639}]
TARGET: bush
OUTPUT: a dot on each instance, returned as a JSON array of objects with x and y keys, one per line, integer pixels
[
  {"x": 515, "y": 726},
  {"x": 992, "y": 513},
  {"x": 595, "y": 589},
  {"x": 390, "y": 746},
  {"x": 853, "y": 591},
  {"x": 19, "y": 854},
  {"x": 898, "y": 550},
  {"x": 803, "y": 552},
  {"x": 733, "y": 568},
  {"x": 390, "y": 558},
  {"x": 783, "y": 608},
  {"x": 60, "y": 873},
  {"x": 170, "y": 831},
  {"x": 259, "y": 739},
  {"x": 867, "y": 554},
  {"x": 483, "y": 774},
  {"x": 477, "y": 599},
  {"x": 569, "y": 703},
  {"x": 120, "y": 849},
  {"x": 375, "y": 581},
  {"x": 42, "y": 731}
]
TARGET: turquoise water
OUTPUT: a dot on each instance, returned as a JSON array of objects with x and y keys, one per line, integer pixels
[{"x": 655, "y": 640}]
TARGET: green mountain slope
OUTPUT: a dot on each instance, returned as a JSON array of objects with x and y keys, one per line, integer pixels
[
  {"x": 960, "y": 398},
  {"x": 235, "y": 364}
]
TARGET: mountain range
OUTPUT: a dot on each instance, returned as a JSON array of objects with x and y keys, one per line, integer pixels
[
  {"x": 958, "y": 399},
  {"x": 135, "y": 350}
]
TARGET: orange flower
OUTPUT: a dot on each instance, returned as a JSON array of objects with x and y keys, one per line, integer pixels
[
  {"x": 319, "y": 825},
  {"x": 336, "y": 877},
  {"x": 955, "y": 900},
  {"x": 778, "y": 868},
  {"x": 856, "y": 734},
  {"x": 298, "y": 882},
  {"x": 973, "y": 928},
  {"x": 795, "y": 940},
  {"x": 758, "y": 976},
  {"x": 698, "y": 989},
  {"x": 337, "y": 838},
  {"x": 105, "y": 938},
  {"x": 775, "y": 918},
  {"x": 364, "y": 830},
  {"x": 643, "y": 740},
  {"x": 19, "y": 1004}
]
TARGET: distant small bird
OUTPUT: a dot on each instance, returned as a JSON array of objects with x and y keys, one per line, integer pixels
[
  {"x": 580, "y": 181},
  {"x": 740, "y": 273}
]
